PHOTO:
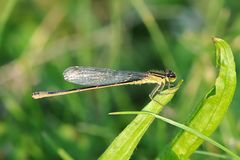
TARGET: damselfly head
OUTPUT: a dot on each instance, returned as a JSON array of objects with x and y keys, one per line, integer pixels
[{"x": 171, "y": 76}]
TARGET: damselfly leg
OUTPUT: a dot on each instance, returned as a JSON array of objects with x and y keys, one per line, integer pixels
[{"x": 157, "y": 89}]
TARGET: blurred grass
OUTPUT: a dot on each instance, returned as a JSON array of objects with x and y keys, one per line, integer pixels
[{"x": 39, "y": 39}]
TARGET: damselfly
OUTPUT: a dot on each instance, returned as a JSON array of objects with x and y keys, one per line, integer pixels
[{"x": 96, "y": 78}]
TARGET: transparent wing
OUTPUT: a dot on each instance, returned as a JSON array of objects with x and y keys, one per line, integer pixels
[{"x": 90, "y": 76}]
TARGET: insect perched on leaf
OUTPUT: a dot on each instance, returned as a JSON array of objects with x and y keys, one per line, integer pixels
[{"x": 96, "y": 78}]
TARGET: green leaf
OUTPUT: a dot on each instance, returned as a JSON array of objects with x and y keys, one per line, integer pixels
[
  {"x": 168, "y": 152},
  {"x": 213, "y": 107},
  {"x": 124, "y": 144}
]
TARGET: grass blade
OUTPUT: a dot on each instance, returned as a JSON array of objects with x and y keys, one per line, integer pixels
[
  {"x": 60, "y": 151},
  {"x": 124, "y": 144},
  {"x": 157, "y": 35},
  {"x": 184, "y": 127},
  {"x": 219, "y": 156}
]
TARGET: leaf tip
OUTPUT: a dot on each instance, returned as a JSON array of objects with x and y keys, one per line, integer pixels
[
  {"x": 179, "y": 83},
  {"x": 215, "y": 39}
]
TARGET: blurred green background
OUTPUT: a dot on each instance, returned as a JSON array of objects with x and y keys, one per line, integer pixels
[{"x": 40, "y": 38}]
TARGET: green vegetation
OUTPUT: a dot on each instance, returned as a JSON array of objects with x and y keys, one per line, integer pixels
[
  {"x": 213, "y": 107},
  {"x": 39, "y": 39},
  {"x": 202, "y": 122},
  {"x": 123, "y": 146}
]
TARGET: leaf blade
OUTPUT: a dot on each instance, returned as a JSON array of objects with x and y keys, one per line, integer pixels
[
  {"x": 124, "y": 144},
  {"x": 213, "y": 107}
]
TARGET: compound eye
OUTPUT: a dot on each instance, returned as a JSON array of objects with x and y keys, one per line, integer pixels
[
  {"x": 169, "y": 73},
  {"x": 171, "y": 76}
]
